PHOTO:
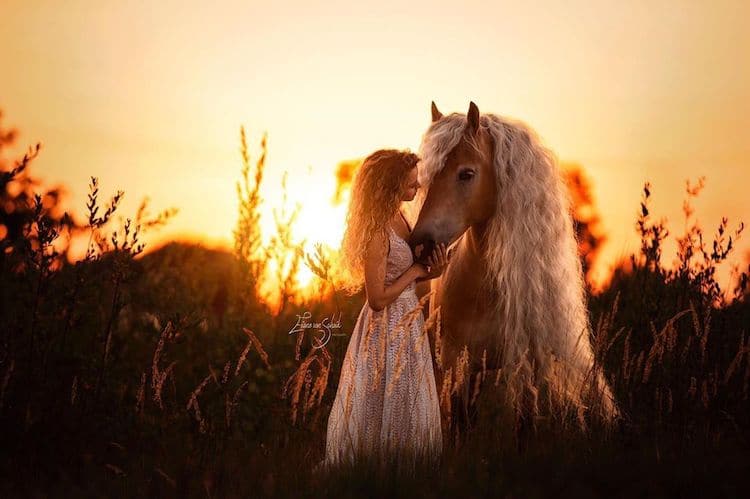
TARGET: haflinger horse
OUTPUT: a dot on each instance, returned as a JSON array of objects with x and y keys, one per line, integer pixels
[{"x": 513, "y": 294}]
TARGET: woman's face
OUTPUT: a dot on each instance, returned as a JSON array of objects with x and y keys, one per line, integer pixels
[{"x": 411, "y": 185}]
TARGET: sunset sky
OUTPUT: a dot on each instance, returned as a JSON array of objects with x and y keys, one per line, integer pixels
[{"x": 151, "y": 98}]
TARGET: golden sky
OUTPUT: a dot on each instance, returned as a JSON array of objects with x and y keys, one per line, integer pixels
[{"x": 150, "y": 98}]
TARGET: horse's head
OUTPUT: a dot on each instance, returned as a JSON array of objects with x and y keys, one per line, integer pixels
[{"x": 462, "y": 193}]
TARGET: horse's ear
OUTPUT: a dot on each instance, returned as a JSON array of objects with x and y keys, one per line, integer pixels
[
  {"x": 436, "y": 115},
  {"x": 472, "y": 118}
]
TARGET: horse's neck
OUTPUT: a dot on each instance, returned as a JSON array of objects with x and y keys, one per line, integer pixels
[
  {"x": 465, "y": 284},
  {"x": 468, "y": 305}
]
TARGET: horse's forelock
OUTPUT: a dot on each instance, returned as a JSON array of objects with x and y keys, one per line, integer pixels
[
  {"x": 441, "y": 138},
  {"x": 437, "y": 142}
]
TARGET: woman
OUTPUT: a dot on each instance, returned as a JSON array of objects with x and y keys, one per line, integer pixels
[{"x": 386, "y": 404}]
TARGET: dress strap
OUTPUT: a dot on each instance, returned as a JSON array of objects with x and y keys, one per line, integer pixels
[{"x": 405, "y": 220}]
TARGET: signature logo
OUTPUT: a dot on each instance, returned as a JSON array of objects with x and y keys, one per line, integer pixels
[{"x": 322, "y": 331}]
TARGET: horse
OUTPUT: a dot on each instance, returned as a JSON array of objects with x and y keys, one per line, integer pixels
[{"x": 512, "y": 296}]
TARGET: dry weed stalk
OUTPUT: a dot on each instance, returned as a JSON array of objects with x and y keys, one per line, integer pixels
[
  {"x": 193, "y": 403},
  {"x": 302, "y": 378},
  {"x": 258, "y": 346}
]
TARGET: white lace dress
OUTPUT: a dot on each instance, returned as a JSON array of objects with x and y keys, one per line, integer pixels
[{"x": 386, "y": 404}]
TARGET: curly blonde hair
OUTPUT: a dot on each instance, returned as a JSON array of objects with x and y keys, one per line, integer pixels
[{"x": 375, "y": 197}]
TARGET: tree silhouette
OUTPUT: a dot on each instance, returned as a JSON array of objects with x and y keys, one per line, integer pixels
[
  {"x": 19, "y": 203},
  {"x": 586, "y": 219},
  {"x": 344, "y": 176}
]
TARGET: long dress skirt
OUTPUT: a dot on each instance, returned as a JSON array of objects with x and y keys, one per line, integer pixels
[{"x": 386, "y": 403}]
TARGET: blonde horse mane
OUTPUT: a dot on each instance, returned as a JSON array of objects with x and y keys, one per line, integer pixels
[{"x": 533, "y": 261}]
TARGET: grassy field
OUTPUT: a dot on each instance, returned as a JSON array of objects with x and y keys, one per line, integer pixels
[{"x": 165, "y": 374}]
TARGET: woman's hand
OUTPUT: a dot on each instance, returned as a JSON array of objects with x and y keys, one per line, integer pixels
[{"x": 436, "y": 263}]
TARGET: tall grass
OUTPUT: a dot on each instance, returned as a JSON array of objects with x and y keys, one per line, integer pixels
[{"x": 115, "y": 381}]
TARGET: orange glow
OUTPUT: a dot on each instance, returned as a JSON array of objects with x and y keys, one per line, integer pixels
[
  {"x": 319, "y": 221},
  {"x": 150, "y": 100}
]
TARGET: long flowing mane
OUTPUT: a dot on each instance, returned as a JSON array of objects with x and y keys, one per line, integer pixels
[{"x": 533, "y": 262}]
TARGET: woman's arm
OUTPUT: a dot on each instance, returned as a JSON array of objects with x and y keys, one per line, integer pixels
[{"x": 378, "y": 294}]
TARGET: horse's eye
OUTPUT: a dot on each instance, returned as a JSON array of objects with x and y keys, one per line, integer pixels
[{"x": 467, "y": 174}]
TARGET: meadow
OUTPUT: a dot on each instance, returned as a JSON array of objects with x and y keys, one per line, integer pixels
[{"x": 128, "y": 373}]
